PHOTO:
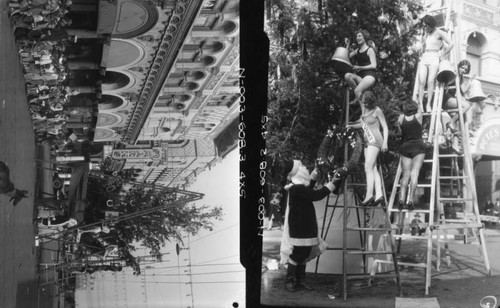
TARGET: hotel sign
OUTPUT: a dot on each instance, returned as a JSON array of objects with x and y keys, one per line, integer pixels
[
  {"x": 488, "y": 142},
  {"x": 158, "y": 154}
]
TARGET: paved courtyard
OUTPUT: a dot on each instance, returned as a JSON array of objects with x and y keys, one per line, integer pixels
[{"x": 461, "y": 285}]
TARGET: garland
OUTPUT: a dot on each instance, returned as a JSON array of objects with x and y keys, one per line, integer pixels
[{"x": 332, "y": 149}]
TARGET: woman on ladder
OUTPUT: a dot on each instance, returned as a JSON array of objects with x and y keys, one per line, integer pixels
[
  {"x": 450, "y": 103},
  {"x": 372, "y": 118},
  {"x": 429, "y": 62},
  {"x": 412, "y": 152},
  {"x": 365, "y": 70}
]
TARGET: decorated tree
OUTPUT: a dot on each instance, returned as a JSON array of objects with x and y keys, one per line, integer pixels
[
  {"x": 148, "y": 214},
  {"x": 306, "y": 96}
]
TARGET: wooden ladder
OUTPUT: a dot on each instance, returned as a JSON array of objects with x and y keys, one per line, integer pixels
[
  {"x": 465, "y": 195},
  {"x": 461, "y": 176},
  {"x": 363, "y": 228}
]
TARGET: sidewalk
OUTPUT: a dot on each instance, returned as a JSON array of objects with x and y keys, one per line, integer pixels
[
  {"x": 462, "y": 284},
  {"x": 18, "y": 264}
]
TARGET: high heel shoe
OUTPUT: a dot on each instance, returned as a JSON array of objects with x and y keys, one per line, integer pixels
[
  {"x": 378, "y": 201},
  {"x": 401, "y": 205},
  {"x": 368, "y": 202},
  {"x": 410, "y": 206}
]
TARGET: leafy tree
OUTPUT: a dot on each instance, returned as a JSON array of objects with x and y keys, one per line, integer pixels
[
  {"x": 306, "y": 96},
  {"x": 151, "y": 215}
]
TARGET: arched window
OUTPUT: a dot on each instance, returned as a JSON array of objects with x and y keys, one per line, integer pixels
[
  {"x": 110, "y": 102},
  {"x": 135, "y": 18},
  {"x": 475, "y": 46},
  {"x": 114, "y": 80}
]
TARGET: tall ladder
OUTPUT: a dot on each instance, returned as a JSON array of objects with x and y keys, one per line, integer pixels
[
  {"x": 467, "y": 197},
  {"x": 363, "y": 228},
  {"x": 461, "y": 175}
]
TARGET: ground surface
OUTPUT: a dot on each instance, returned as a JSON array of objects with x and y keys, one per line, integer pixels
[
  {"x": 461, "y": 285},
  {"x": 18, "y": 260}
]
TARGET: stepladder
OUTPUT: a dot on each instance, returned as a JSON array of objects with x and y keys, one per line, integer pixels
[
  {"x": 374, "y": 229},
  {"x": 374, "y": 225},
  {"x": 448, "y": 210}
]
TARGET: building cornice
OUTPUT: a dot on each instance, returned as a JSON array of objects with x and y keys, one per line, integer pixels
[
  {"x": 175, "y": 33},
  {"x": 480, "y": 15}
]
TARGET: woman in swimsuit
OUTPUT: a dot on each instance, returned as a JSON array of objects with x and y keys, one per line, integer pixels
[
  {"x": 372, "y": 118},
  {"x": 450, "y": 102},
  {"x": 412, "y": 151},
  {"x": 429, "y": 63},
  {"x": 365, "y": 74}
]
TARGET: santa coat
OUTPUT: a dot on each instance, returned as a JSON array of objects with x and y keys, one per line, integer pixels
[{"x": 302, "y": 224}]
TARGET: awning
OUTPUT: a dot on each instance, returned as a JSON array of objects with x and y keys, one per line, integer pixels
[
  {"x": 227, "y": 140},
  {"x": 107, "y": 17}
]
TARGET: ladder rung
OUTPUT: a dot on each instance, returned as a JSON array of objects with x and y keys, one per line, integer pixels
[
  {"x": 428, "y": 160},
  {"x": 364, "y": 252},
  {"x": 357, "y": 207},
  {"x": 402, "y": 263},
  {"x": 418, "y": 185},
  {"x": 341, "y": 206},
  {"x": 424, "y": 185},
  {"x": 458, "y": 221},
  {"x": 412, "y": 264},
  {"x": 458, "y": 226},
  {"x": 368, "y": 229},
  {"x": 406, "y": 211},
  {"x": 455, "y": 199},
  {"x": 449, "y": 155},
  {"x": 362, "y": 276},
  {"x": 453, "y": 177},
  {"x": 410, "y": 237}
]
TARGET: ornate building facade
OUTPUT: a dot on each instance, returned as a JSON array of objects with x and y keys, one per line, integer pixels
[
  {"x": 477, "y": 39},
  {"x": 171, "y": 81}
]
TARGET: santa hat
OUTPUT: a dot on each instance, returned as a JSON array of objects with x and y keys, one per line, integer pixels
[{"x": 291, "y": 167}]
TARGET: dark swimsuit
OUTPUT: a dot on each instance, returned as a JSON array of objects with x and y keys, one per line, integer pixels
[
  {"x": 412, "y": 138},
  {"x": 362, "y": 59}
]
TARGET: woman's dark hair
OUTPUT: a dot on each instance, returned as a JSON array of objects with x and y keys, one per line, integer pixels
[
  {"x": 410, "y": 107},
  {"x": 370, "y": 99},
  {"x": 464, "y": 63},
  {"x": 461, "y": 76},
  {"x": 430, "y": 21}
]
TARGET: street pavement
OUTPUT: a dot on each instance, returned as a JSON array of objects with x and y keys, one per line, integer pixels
[
  {"x": 18, "y": 262},
  {"x": 462, "y": 284}
]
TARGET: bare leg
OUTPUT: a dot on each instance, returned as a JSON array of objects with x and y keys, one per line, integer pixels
[
  {"x": 351, "y": 80},
  {"x": 354, "y": 80},
  {"x": 371, "y": 153},
  {"x": 416, "y": 164},
  {"x": 422, "y": 79},
  {"x": 365, "y": 84},
  {"x": 405, "y": 179},
  {"x": 431, "y": 77},
  {"x": 378, "y": 183}
]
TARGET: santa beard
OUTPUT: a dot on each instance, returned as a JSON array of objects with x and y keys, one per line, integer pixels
[{"x": 302, "y": 177}]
